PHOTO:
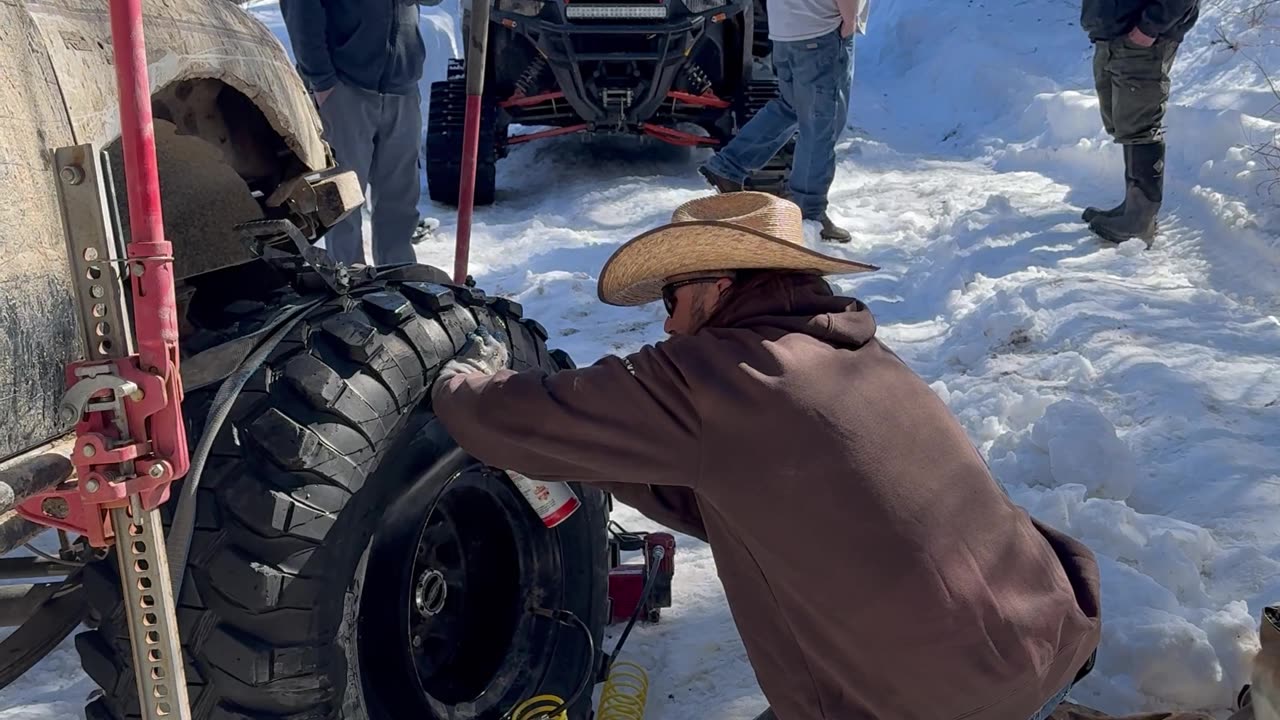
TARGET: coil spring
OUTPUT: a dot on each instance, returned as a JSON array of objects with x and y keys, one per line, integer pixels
[
  {"x": 625, "y": 693},
  {"x": 699, "y": 83},
  {"x": 528, "y": 81},
  {"x": 539, "y": 708}
]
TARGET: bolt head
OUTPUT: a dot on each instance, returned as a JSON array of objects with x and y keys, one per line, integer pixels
[
  {"x": 156, "y": 470},
  {"x": 91, "y": 486},
  {"x": 89, "y": 451},
  {"x": 72, "y": 174},
  {"x": 417, "y": 641}
]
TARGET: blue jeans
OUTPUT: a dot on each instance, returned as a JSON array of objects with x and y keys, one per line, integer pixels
[
  {"x": 1052, "y": 705},
  {"x": 814, "y": 77}
]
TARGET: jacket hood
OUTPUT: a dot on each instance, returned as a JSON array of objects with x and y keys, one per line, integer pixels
[{"x": 802, "y": 304}]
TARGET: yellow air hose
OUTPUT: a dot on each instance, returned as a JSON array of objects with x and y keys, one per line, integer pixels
[
  {"x": 625, "y": 693},
  {"x": 539, "y": 708},
  {"x": 624, "y": 697}
]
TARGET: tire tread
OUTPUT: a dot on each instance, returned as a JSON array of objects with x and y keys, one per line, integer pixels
[{"x": 299, "y": 444}]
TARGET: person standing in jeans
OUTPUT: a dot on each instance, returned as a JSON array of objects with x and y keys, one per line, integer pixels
[
  {"x": 813, "y": 43},
  {"x": 362, "y": 62},
  {"x": 1135, "y": 42}
]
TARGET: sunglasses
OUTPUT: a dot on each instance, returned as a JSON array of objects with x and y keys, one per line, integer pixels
[{"x": 669, "y": 291}]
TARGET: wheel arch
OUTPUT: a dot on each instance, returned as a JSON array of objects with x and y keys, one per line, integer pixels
[
  {"x": 220, "y": 154},
  {"x": 233, "y": 119}
]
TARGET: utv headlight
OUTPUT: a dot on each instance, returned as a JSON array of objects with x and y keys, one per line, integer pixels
[
  {"x": 528, "y": 8},
  {"x": 701, "y": 6},
  {"x": 586, "y": 11}
]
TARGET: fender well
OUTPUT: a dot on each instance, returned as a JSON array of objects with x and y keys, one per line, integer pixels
[{"x": 218, "y": 157}]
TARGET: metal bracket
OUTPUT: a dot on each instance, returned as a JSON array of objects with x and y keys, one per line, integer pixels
[
  {"x": 261, "y": 236},
  {"x": 79, "y": 399},
  {"x": 96, "y": 264}
]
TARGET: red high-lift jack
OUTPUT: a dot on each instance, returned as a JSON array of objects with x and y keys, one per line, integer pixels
[{"x": 126, "y": 402}]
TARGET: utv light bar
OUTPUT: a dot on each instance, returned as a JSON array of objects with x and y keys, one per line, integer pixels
[{"x": 575, "y": 11}]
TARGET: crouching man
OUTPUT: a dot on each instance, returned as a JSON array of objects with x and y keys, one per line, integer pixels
[{"x": 872, "y": 564}]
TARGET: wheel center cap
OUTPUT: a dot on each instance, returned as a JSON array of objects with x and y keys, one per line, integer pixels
[{"x": 430, "y": 593}]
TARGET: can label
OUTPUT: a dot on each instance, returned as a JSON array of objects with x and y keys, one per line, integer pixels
[{"x": 554, "y": 502}]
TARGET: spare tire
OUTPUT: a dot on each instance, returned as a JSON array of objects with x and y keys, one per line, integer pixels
[{"x": 348, "y": 560}]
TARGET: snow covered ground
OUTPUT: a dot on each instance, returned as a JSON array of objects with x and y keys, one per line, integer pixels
[{"x": 1128, "y": 396}]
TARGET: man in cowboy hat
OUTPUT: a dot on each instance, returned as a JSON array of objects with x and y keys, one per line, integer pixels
[{"x": 873, "y": 566}]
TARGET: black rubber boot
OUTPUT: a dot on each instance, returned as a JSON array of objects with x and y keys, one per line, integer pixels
[
  {"x": 1143, "y": 196},
  {"x": 721, "y": 183},
  {"x": 832, "y": 232},
  {"x": 1092, "y": 212}
]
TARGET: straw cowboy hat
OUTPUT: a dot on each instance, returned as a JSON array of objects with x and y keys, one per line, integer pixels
[{"x": 730, "y": 231}]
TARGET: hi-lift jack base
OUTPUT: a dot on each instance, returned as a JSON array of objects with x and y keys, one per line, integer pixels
[{"x": 627, "y": 581}]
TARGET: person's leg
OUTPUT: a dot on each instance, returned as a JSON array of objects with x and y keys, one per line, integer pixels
[
  {"x": 1138, "y": 110},
  {"x": 1106, "y": 87},
  {"x": 822, "y": 73},
  {"x": 396, "y": 182},
  {"x": 765, "y": 134},
  {"x": 350, "y": 118}
]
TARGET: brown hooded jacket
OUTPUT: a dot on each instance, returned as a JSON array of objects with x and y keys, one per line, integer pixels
[{"x": 872, "y": 565}]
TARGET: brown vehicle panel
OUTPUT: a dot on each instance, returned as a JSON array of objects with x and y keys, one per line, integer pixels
[{"x": 232, "y": 118}]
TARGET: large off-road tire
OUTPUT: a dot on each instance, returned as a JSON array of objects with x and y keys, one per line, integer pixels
[
  {"x": 446, "y": 117},
  {"x": 348, "y": 562}
]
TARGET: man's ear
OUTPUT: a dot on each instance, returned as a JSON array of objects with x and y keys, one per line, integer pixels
[{"x": 723, "y": 284}]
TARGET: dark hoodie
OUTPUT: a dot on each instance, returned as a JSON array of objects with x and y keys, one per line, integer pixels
[
  {"x": 370, "y": 44},
  {"x": 1159, "y": 19},
  {"x": 872, "y": 565}
]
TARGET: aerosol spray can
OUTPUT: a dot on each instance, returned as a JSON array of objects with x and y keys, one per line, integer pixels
[{"x": 554, "y": 502}]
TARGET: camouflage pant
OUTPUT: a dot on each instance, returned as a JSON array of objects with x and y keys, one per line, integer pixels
[{"x": 1133, "y": 88}]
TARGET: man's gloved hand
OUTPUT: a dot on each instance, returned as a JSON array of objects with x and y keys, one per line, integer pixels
[{"x": 483, "y": 353}]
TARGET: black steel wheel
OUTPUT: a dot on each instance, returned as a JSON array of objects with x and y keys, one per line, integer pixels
[{"x": 444, "y": 611}]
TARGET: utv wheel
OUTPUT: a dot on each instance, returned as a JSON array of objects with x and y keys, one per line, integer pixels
[
  {"x": 348, "y": 561},
  {"x": 445, "y": 125}
]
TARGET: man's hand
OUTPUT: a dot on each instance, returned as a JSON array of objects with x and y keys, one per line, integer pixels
[
  {"x": 322, "y": 96},
  {"x": 848, "y": 27},
  {"x": 1141, "y": 39},
  {"x": 483, "y": 353}
]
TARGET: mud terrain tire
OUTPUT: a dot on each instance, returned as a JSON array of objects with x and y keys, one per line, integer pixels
[{"x": 289, "y": 609}]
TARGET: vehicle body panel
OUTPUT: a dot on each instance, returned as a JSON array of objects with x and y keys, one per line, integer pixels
[{"x": 232, "y": 119}]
